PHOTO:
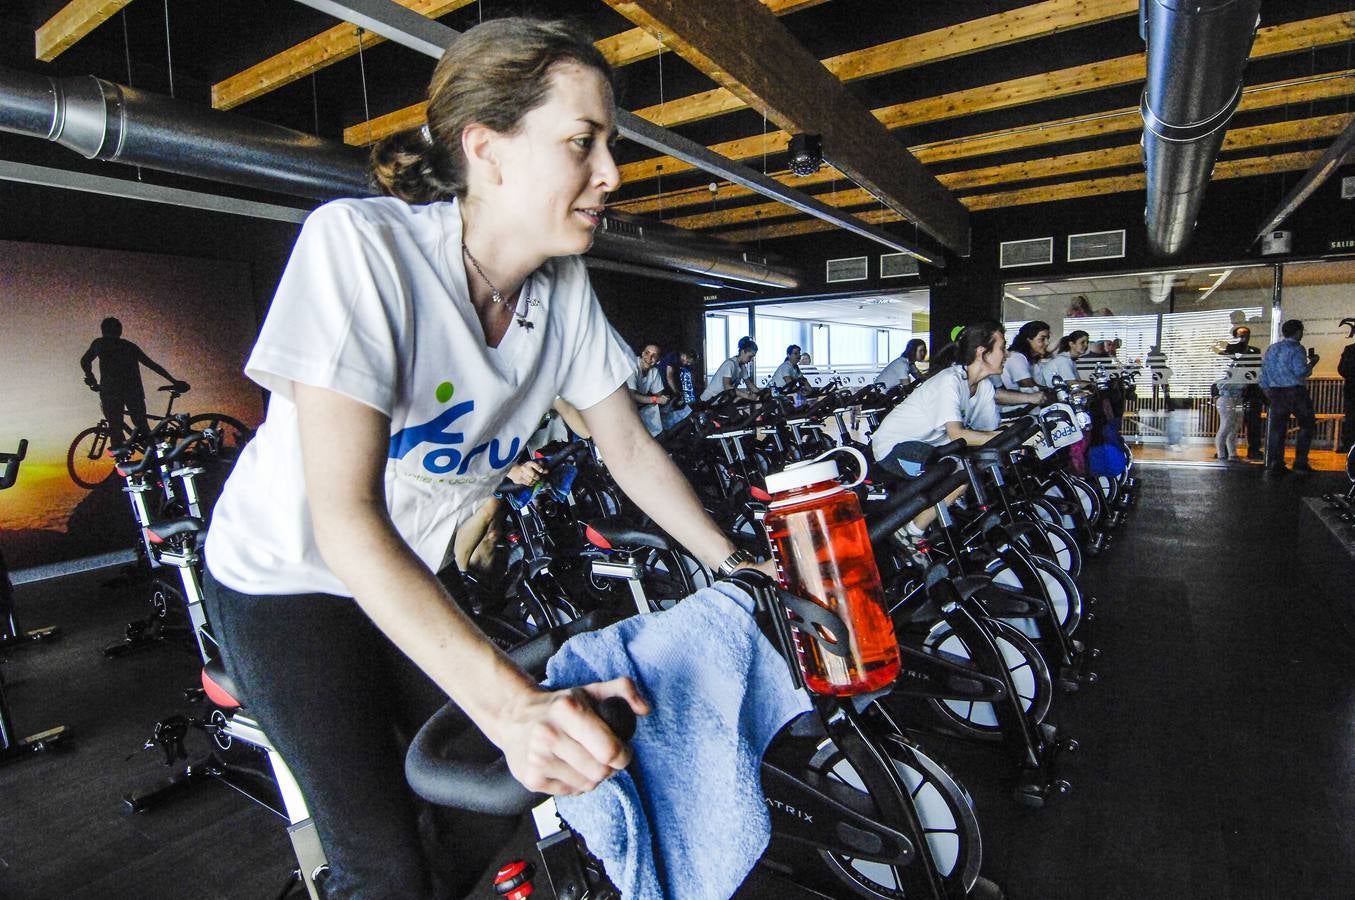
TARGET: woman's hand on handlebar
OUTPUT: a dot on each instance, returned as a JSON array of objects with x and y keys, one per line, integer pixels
[
  {"x": 555, "y": 743},
  {"x": 527, "y": 473}
]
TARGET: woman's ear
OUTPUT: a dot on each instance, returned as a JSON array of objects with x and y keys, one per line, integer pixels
[{"x": 480, "y": 145}]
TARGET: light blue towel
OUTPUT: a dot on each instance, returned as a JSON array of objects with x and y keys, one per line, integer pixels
[{"x": 720, "y": 692}]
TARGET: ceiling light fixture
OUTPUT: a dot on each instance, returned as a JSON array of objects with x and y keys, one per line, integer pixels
[{"x": 805, "y": 156}]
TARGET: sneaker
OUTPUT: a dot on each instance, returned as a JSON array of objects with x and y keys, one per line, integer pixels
[
  {"x": 1302, "y": 466},
  {"x": 914, "y": 549},
  {"x": 1256, "y": 457},
  {"x": 1277, "y": 471}
]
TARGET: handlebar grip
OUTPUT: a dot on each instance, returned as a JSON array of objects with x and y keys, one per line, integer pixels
[
  {"x": 11, "y": 462},
  {"x": 445, "y": 764},
  {"x": 950, "y": 449}
]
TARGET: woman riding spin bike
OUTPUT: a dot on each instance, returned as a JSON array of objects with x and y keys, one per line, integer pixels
[
  {"x": 959, "y": 401},
  {"x": 1064, "y": 361},
  {"x": 1024, "y": 354},
  {"x": 414, "y": 343}
]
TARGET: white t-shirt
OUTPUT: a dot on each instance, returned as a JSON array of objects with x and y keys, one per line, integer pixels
[
  {"x": 1016, "y": 368},
  {"x": 942, "y": 398},
  {"x": 373, "y": 304},
  {"x": 731, "y": 369},
  {"x": 648, "y": 383},
  {"x": 1061, "y": 365},
  {"x": 784, "y": 371},
  {"x": 894, "y": 374}
]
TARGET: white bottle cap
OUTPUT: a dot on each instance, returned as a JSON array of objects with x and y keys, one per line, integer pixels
[{"x": 802, "y": 474}]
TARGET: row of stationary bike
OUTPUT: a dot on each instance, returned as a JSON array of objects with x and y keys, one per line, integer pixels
[{"x": 991, "y": 621}]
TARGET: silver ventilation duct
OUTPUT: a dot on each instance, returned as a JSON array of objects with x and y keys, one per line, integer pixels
[
  {"x": 1196, "y": 51},
  {"x": 102, "y": 120}
]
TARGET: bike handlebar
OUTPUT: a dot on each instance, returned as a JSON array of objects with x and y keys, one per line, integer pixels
[
  {"x": 11, "y": 463},
  {"x": 441, "y": 771},
  {"x": 911, "y": 498}
]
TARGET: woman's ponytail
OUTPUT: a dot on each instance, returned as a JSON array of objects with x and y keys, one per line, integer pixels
[{"x": 409, "y": 166}]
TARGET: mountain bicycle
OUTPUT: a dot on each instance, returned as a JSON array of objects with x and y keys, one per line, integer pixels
[{"x": 88, "y": 461}]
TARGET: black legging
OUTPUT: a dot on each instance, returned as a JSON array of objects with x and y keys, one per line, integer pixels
[{"x": 340, "y": 703}]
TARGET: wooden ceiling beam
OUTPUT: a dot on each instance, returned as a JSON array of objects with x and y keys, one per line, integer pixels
[
  {"x": 1255, "y": 97},
  {"x": 1114, "y": 184},
  {"x": 972, "y": 36},
  {"x": 312, "y": 55},
  {"x": 1274, "y": 40},
  {"x": 71, "y": 23},
  {"x": 1275, "y": 134},
  {"x": 341, "y": 41},
  {"x": 741, "y": 45},
  {"x": 975, "y": 35}
]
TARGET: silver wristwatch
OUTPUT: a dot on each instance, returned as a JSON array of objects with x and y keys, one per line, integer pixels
[{"x": 734, "y": 561}]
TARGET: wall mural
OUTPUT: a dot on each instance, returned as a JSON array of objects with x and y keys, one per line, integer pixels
[{"x": 192, "y": 319}]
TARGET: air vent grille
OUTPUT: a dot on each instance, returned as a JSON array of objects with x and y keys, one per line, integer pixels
[
  {"x": 849, "y": 268},
  {"x": 626, "y": 229},
  {"x": 897, "y": 265},
  {"x": 1032, "y": 252},
  {"x": 1096, "y": 245}
]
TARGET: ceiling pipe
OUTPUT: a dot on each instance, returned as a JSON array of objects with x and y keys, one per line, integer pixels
[
  {"x": 106, "y": 121},
  {"x": 116, "y": 123},
  {"x": 1196, "y": 52}
]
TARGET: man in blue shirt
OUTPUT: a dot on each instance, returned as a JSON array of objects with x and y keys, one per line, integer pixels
[{"x": 1284, "y": 370}]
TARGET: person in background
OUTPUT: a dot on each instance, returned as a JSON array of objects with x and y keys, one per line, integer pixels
[
  {"x": 1227, "y": 393},
  {"x": 787, "y": 378},
  {"x": 646, "y": 389},
  {"x": 1081, "y": 308},
  {"x": 959, "y": 401},
  {"x": 807, "y": 366},
  {"x": 1346, "y": 369},
  {"x": 1247, "y": 370},
  {"x": 675, "y": 370},
  {"x": 904, "y": 370},
  {"x": 1284, "y": 370},
  {"x": 735, "y": 373},
  {"x": 121, "y": 391},
  {"x": 1064, "y": 361},
  {"x": 1027, "y": 349}
]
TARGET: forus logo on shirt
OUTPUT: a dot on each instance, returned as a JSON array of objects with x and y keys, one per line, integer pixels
[{"x": 447, "y": 458}]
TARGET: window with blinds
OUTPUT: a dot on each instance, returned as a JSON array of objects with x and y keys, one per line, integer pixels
[{"x": 1187, "y": 341}]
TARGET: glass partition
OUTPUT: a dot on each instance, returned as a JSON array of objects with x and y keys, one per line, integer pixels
[{"x": 1172, "y": 330}]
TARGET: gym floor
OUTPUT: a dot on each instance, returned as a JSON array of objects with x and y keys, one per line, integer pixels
[{"x": 1215, "y": 762}]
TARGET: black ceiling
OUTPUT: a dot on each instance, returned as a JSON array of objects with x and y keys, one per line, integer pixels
[{"x": 209, "y": 40}]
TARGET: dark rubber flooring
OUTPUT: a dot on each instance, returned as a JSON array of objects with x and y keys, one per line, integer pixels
[{"x": 1218, "y": 747}]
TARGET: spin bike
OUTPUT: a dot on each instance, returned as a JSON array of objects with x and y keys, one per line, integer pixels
[
  {"x": 12, "y": 746},
  {"x": 856, "y": 808}
]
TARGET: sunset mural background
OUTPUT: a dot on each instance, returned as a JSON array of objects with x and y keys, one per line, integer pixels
[{"x": 193, "y": 316}]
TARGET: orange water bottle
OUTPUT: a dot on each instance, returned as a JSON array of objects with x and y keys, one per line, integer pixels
[{"x": 822, "y": 551}]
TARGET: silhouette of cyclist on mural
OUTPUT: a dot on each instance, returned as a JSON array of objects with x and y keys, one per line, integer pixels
[{"x": 120, "y": 364}]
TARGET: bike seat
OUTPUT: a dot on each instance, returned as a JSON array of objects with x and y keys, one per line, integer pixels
[
  {"x": 163, "y": 531},
  {"x": 617, "y": 536},
  {"x": 221, "y": 689}
]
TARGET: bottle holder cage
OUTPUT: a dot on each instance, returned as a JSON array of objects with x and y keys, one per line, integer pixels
[{"x": 782, "y": 616}]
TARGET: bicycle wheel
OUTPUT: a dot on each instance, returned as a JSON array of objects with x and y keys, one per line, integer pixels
[
  {"x": 87, "y": 460},
  {"x": 1065, "y": 598},
  {"x": 1025, "y": 665},
  {"x": 944, "y": 809},
  {"x": 234, "y": 433}
]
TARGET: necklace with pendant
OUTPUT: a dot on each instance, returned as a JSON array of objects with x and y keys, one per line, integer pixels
[{"x": 496, "y": 296}]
